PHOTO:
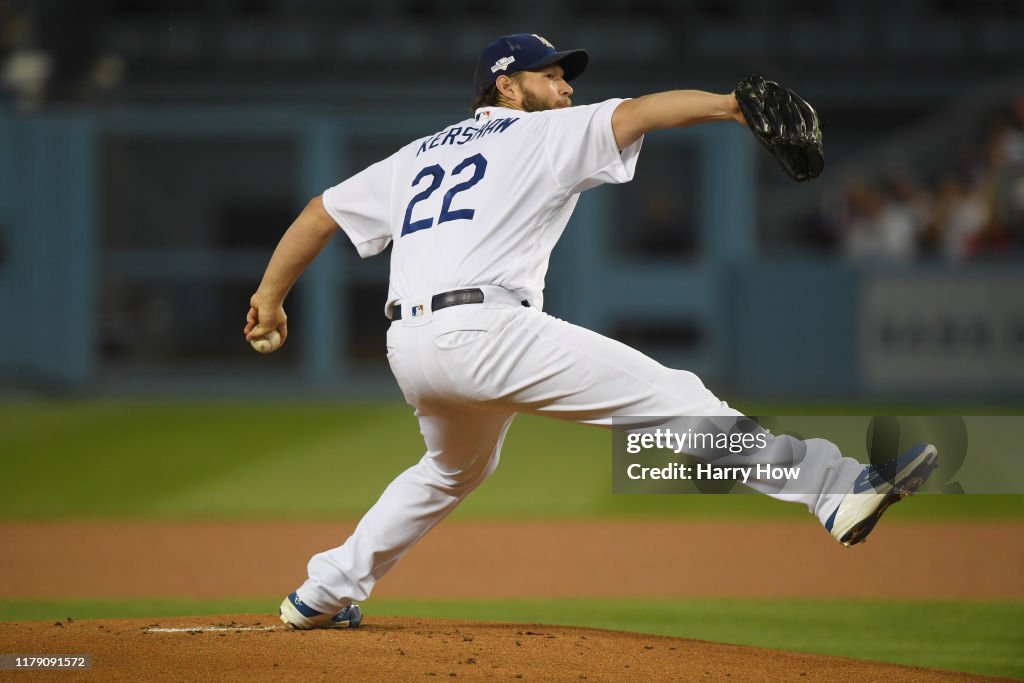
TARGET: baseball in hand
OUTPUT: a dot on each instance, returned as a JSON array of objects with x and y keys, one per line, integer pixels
[{"x": 268, "y": 342}]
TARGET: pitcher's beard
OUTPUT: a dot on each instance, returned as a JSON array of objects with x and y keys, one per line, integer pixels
[{"x": 533, "y": 103}]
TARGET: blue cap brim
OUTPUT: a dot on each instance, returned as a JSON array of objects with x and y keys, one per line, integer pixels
[{"x": 573, "y": 62}]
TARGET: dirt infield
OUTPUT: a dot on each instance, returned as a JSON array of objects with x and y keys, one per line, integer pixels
[
  {"x": 961, "y": 561},
  {"x": 391, "y": 649},
  {"x": 937, "y": 560}
]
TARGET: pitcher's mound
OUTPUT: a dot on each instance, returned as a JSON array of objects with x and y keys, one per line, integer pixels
[{"x": 258, "y": 647}]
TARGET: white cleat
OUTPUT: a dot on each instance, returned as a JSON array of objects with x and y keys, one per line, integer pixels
[
  {"x": 876, "y": 489},
  {"x": 299, "y": 615}
]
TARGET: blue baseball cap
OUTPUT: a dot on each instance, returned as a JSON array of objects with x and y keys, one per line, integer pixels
[{"x": 524, "y": 52}]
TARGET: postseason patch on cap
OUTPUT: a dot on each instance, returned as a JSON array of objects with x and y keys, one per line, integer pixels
[{"x": 502, "y": 64}]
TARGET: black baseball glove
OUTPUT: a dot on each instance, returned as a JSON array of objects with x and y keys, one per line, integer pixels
[{"x": 784, "y": 123}]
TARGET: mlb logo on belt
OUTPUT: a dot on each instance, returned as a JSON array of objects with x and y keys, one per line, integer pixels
[{"x": 417, "y": 310}]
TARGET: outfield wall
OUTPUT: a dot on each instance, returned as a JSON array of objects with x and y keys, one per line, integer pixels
[{"x": 130, "y": 240}]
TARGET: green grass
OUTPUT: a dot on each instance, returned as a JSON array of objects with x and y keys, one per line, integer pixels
[
  {"x": 249, "y": 460},
  {"x": 976, "y": 637}
]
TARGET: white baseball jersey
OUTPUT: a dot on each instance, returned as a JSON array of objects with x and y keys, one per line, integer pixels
[{"x": 483, "y": 201}]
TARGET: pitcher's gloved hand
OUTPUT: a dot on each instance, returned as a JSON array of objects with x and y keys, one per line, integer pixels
[{"x": 786, "y": 125}]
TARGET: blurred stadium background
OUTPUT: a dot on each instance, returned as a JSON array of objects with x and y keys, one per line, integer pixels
[{"x": 154, "y": 150}]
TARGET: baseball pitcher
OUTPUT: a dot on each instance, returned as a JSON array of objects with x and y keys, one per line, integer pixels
[{"x": 473, "y": 212}]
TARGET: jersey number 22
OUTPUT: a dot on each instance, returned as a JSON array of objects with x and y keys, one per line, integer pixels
[{"x": 436, "y": 173}]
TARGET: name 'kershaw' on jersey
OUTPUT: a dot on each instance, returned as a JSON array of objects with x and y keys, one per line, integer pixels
[{"x": 457, "y": 135}]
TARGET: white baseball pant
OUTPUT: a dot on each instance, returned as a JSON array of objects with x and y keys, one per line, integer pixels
[{"x": 468, "y": 370}]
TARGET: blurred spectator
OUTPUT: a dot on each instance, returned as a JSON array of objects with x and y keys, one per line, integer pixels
[
  {"x": 1006, "y": 155},
  {"x": 1013, "y": 140},
  {"x": 49, "y": 51},
  {"x": 884, "y": 227},
  {"x": 976, "y": 210},
  {"x": 24, "y": 71},
  {"x": 961, "y": 214}
]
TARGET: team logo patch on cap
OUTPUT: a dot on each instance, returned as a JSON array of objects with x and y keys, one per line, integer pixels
[
  {"x": 543, "y": 40},
  {"x": 502, "y": 64}
]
